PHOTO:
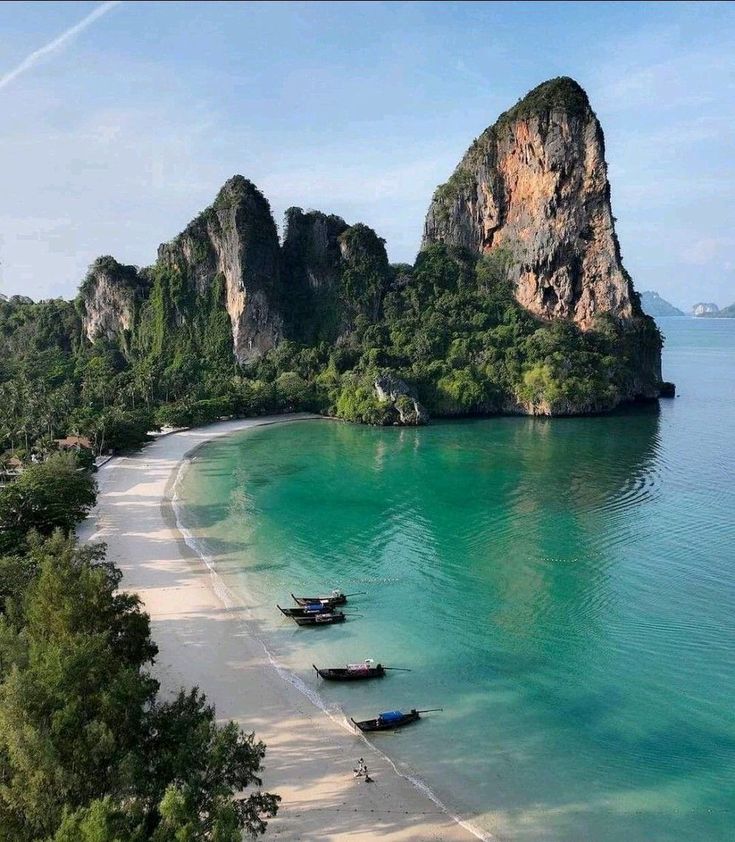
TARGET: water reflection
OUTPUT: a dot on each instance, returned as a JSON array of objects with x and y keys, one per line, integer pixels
[{"x": 563, "y": 588}]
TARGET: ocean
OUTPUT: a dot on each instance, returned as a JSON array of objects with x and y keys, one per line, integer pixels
[{"x": 563, "y": 588}]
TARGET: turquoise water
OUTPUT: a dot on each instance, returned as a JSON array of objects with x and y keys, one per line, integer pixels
[{"x": 564, "y": 589}]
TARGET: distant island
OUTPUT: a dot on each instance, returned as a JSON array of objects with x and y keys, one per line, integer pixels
[
  {"x": 712, "y": 311},
  {"x": 653, "y": 305}
]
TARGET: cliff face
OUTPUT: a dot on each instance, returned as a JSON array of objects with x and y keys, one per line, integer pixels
[
  {"x": 312, "y": 270},
  {"x": 565, "y": 336},
  {"x": 333, "y": 272},
  {"x": 229, "y": 261},
  {"x": 535, "y": 185},
  {"x": 109, "y": 299},
  {"x": 236, "y": 239}
]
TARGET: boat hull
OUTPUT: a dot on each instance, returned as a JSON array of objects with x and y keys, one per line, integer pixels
[
  {"x": 370, "y": 725},
  {"x": 324, "y": 600},
  {"x": 342, "y": 674},
  {"x": 304, "y": 612},
  {"x": 319, "y": 619}
]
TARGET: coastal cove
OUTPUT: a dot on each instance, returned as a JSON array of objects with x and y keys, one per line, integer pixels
[
  {"x": 367, "y": 415},
  {"x": 550, "y": 583},
  {"x": 205, "y": 638},
  {"x": 567, "y": 617}
]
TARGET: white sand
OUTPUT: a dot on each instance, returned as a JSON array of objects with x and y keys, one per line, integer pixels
[{"x": 203, "y": 641}]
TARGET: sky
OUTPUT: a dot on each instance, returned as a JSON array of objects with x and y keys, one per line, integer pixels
[{"x": 119, "y": 122}]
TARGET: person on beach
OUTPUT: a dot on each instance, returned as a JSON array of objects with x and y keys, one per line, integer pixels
[
  {"x": 368, "y": 779},
  {"x": 360, "y": 770}
]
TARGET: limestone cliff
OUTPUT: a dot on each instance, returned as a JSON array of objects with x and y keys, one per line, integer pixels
[
  {"x": 312, "y": 270},
  {"x": 235, "y": 238},
  {"x": 535, "y": 185},
  {"x": 546, "y": 323},
  {"x": 228, "y": 262},
  {"x": 333, "y": 272},
  {"x": 109, "y": 299}
]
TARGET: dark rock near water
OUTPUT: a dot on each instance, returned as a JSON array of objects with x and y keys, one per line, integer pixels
[{"x": 403, "y": 397}]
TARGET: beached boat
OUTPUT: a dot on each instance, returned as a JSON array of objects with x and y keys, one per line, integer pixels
[
  {"x": 320, "y": 619},
  {"x": 352, "y": 672},
  {"x": 391, "y": 719},
  {"x": 335, "y": 598},
  {"x": 306, "y": 610}
]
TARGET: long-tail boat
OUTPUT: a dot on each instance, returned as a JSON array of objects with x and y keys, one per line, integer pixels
[
  {"x": 306, "y": 610},
  {"x": 335, "y": 598},
  {"x": 352, "y": 672},
  {"x": 320, "y": 619},
  {"x": 391, "y": 719}
]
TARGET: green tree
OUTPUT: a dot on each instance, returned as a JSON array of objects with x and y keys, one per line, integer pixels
[
  {"x": 55, "y": 494},
  {"x": 86, "y": 750}
]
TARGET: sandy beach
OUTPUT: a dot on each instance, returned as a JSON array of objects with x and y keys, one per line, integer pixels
[{"x": 203, "y": 640}]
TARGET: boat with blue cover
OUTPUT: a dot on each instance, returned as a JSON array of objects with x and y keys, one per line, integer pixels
[{"x": 391, "y": 719}]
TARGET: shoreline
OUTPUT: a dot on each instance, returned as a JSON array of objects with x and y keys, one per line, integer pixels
[{"x": 205, "y": 639}]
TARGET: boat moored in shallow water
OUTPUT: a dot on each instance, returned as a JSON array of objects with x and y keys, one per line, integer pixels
[
  {"x": 391, "y": 719},
  {"x": 352, "y": 672},
  {"x": 323, "y": 619},
  {"x": 306, "y": 610},
  {"x": 337, "y": 597}
]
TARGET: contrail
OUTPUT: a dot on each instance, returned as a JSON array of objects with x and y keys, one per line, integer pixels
[{"x": 33, "y": 59}]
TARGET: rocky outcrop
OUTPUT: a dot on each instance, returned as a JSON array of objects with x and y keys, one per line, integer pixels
[
  {"x": 391, "y": 389},
  {"x": 109, "y": 299},
  {"x": 236, "y": 238},
  {"x": 535, "y": 186},
  {"x": 366, "y": 274}
]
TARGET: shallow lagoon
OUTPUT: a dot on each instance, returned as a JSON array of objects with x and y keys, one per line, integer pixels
[{"x": 565, "y": 589}]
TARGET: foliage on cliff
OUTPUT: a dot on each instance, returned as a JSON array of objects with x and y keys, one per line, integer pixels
[
  {"x": 228, "y": 321},
  {"x": 562, "y": 93},
  {"x": 451, "y": 326}
]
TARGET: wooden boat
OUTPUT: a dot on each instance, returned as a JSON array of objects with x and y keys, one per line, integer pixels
[
  {"x": 306, "y": 610},
  {"x": 335, "y": 598},
  {"x": 352, "y": 672},
  {"x": 391, "y": 719},
  {"x": 320, "y": 619}
]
